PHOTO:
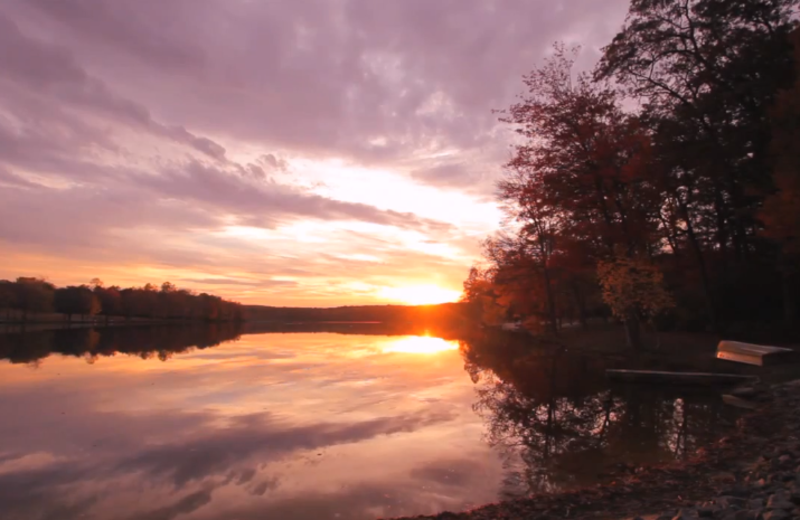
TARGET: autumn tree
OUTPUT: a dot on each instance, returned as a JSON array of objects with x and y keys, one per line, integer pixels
[
  {"x": 633, "y": 287},
  {"x": 707, "y": 72},
  {"x": 577, "y": 187},
  {"x": 483, "y": 295}
]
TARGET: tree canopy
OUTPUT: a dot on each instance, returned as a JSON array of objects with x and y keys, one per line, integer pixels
[{"x": 696, "y": 187}]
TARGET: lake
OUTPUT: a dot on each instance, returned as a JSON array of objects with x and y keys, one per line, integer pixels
[{"x": 210, "y": 423}]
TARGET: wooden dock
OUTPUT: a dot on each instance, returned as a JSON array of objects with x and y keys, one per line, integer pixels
[
  {"x": 677, "y": 378},
  {"x": 758, "y": 355}
]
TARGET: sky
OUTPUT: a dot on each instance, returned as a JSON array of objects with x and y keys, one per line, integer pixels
[{"x": 278, "y": 152}]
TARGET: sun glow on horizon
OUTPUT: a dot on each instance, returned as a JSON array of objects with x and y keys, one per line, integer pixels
[
  {"x": 420, "y": 294},
  {"x": 419, "y": 345}
]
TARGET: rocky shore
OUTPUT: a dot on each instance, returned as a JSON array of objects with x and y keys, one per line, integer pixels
[{"x": 752, "y": 474}]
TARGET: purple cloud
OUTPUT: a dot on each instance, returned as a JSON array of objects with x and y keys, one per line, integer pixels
[{"x": 184, "y": 117}]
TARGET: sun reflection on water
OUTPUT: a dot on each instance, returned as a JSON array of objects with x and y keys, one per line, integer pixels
[{"x": 419, "y": 345}]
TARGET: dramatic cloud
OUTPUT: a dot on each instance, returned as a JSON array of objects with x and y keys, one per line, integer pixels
[{"x": 164, "y": 137}]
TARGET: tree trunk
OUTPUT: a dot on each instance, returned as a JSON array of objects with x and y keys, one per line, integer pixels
[
  {"x": 551, "y": 304},
  {"x": 701, "y": 264},
  {"x": 789, "y": 304},
  {"x": 633, "y": 331}
]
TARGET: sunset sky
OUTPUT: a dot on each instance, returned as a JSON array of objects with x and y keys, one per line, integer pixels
[{"x": 295, "y": 152}]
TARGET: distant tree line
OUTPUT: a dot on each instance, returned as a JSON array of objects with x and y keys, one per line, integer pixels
[
  {"x": 682, "y": 209},
  {"x": 29, "y": 295},
  {"x": 445, "y": 314}
]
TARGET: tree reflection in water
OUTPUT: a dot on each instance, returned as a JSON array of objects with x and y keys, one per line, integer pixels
[
  {"x": 560, "y": 425},
  {"x": 145, "y": 341}
]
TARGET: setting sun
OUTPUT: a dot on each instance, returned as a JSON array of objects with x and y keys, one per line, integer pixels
[
  {"x": 420, "y": 294},
  {"x": 419, "y": 345}
]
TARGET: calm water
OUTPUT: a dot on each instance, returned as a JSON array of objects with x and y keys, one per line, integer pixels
[{"x": 208, "y": 424}]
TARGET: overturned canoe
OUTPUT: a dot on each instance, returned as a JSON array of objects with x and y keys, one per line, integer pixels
[
  {"x": 759, "y": 355},
  {"x": 676, "y": 378}
]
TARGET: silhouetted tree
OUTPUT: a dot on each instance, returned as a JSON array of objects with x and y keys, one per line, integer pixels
[
  {"x": 708, "y": 71},
  {"x": 110, "y": 300},
  {"x": 76, "y": 300},
  {"x": 699, "y": 182},
  {"x": 7, "y": 297},
  {"x": 33, "y": 295}
]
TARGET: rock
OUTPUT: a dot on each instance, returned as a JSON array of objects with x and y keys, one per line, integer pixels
[
  {"x": 755, "y": 504},
  {"x": 738, "y": 492},
  {"x": 724, "y": 477},
  {"x": 775, "y": 515},
  {"x": 779, "y": 501},
  {"x": 728, "y": 501},
  {"x": 780, "y": 496},
  {"x": 785, "y": 459},
  {"x": 708, "y": 509},
  {"x": 740, "y": 515}
]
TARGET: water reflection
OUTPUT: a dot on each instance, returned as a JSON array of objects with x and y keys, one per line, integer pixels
[
  {"x": 289, "y": 426},
  {"x": 310, "y": 425},
  {"x": 93, "y": 343},
  {"x": 560, "y": 425},
  {"x": 420, "y": 345}
]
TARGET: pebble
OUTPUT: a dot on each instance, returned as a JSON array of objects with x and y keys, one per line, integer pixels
[
  {"x": 755, "y": 503},
  {"x": 779, "y": 501}
]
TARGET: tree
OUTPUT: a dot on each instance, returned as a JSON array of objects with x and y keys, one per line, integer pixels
[
  {"x": 633, "y": 288},
  {"x": 583, "y": 161},
  {"x": 33, "y": 295},
  {"x": 707, "y": 72},
  {"x": 781, "y": 211},
  {"x": 483, "y": 295},
  {"x": 64, "y": 301},
  {"x": 7, "y": 297},
  {"x": 76, "y": 300},
  {"x": 577, "y": 188},
  {"x": 110, "y": 300}
]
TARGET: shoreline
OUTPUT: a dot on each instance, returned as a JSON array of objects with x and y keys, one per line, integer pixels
[{"x": 752, "y": 473}]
